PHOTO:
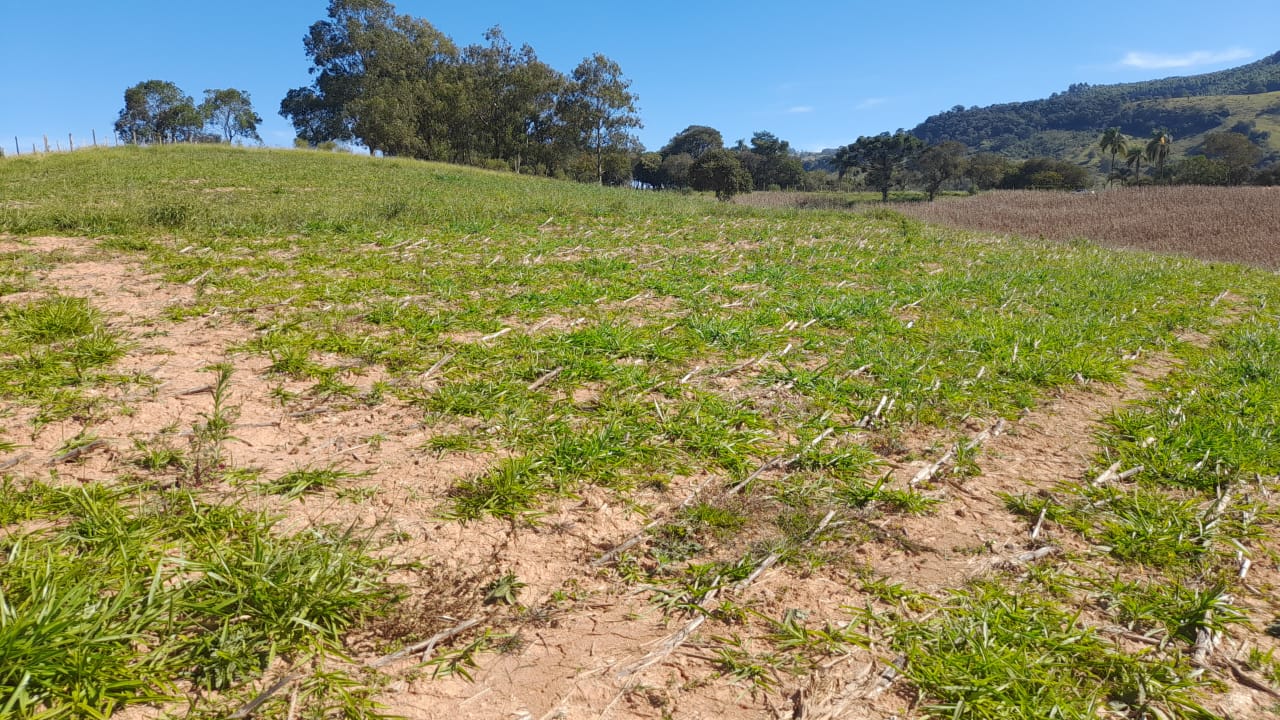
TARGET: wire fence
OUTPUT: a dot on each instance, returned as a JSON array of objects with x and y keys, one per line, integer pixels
[{"x": 56, "y": 143}]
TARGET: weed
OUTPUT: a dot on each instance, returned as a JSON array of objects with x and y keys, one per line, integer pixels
[
  {"x": 505, "y": 590},
  {"x": 305, "y": 480}
]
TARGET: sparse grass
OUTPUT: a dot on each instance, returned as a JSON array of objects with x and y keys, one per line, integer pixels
[
  {"x": 573, "y": 340},
  {"x": 305, "y": 480}
]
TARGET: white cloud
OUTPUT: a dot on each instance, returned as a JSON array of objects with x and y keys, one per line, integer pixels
[
  {"x": 800, "y": 109},
  {"x": 1195, "y": 58},
  {"x": 871, "y": 102}
]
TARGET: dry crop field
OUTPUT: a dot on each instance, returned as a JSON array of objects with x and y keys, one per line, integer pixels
[
  {"x": 296, "y": 435},
  {"x": 1240, "y": 224}
]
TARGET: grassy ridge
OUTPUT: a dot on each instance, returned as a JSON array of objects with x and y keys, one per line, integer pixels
[{"x": 586, "y": 336}]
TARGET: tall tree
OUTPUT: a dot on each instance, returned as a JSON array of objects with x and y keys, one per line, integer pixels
[
  {"x": 693, "y": 141},
  {"x": 939, "y": 163},
  {"x": 1114, "y": 142},
  {"x": 1157, "y": 149},
  {"x": 881, "y": 157},
  {"x": 601, "y": 109},
  {"x": 381, "y": 79},
  {"x": 230, "y": 113},
  {"x": 157, "y": 111}
]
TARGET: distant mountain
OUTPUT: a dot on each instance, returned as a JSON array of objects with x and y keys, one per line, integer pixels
[{"x": 1244, "y": 99}]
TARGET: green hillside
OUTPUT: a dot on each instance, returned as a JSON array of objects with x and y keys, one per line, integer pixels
[{"x": 1066, "y": 125}]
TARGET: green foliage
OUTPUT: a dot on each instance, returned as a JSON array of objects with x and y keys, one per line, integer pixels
[
  {"x": 1046, "y": 174},
  {"x": 721, "y": 172},
  {"x": 156, "y": 111},
  {"x": 398, "y": 86},
  {"x": 230, "y": 113},
  {"x": 693, "y": 141},
  {"x": 880, "y": 157},
  {"x": 938, "y": 164},
  {"x": 1235, "y": 151},
  {"x": 1132, "y": 107}
]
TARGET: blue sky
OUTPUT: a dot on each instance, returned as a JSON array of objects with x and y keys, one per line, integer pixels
[{"x": 818, "y": 74}]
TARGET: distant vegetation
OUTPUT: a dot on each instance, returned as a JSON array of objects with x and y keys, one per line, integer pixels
[
  {"x": 1013, "y": 128},
  {"x": 395, "y": 85}
]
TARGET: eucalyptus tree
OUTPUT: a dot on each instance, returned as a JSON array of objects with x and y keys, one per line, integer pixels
[
  {"x": 381, "y": 78},
  {"x": 157, "y": 111},
  {"x": 230, "y": 112},
  {"x": 600, "y": 109}
]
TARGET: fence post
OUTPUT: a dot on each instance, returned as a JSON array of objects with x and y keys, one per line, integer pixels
[
  {"x": 46, "y": 143},
  {"x": 95, "y": 137},
  {"x": 16, "y": 150},
  {"x": 71, "y": 144}
]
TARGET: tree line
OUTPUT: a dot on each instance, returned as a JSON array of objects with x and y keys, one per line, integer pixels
[
  {"x": 396, "y": 85},
  {"x": 157, "y": 111},
  {"x": 1222, "y": 158}
]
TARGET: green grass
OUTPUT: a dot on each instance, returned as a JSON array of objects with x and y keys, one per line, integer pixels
[
  {"x": 995, "y": 652},
  {"x": 52, "y": 350},
  {"x": 210, "y": 591}
]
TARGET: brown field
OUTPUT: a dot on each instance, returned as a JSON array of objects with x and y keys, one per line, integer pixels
[{"x": 1229, "y": 224}]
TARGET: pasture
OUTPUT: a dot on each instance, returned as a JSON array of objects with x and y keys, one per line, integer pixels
[{"x": 291, "y": 434}]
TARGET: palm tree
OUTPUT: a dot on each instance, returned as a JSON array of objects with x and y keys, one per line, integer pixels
[
  {"x": 1133, "y": 158},
  {"x": 1158, "y": 149},
  {"x": 1115, "y": 142}
]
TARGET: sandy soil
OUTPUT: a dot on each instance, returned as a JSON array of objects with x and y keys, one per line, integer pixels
[{"x": 575, "y": 658}]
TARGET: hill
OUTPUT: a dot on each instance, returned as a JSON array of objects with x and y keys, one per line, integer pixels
[
  {"x": 1244, "y": 99},
  {"x": 289, "y": 434}
]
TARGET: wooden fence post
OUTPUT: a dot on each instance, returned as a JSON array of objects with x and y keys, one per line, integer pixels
[
  {"x": 95, "y": 137},
  {"x": 46, "y": 143},
  {"x": 16, "y": 150},
  {"x": 71, "y": 144}
]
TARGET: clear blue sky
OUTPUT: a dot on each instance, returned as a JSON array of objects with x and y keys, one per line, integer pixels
[{"x": 818, "y": 74}]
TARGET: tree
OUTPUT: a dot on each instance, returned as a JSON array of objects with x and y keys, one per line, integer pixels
[
  {"x": 987, "y": 170},
  {"x": 381, "y": 78},
  {"x": 510, "y": 98},
  {"x": 1113, "y": 141},
  {"x": 693, "y": 141},
  {"x": 939, "y": 163},
  {"x": 600, "y": 108},
  {"x": 675, "y": 170},
  {"x": 1044, "y": 173},
  {"x": 880, "y": 157},
  {"x": 1133, "y": 159},
  {"x": 1157, "y": 150},
  {"x": 231, "y": 114},
  {"x": 1198, "y": 170},
  {"x": 770, "y": 162},
  {"x": 156, "y": 111},
  {"x": 1235, "y": 151},
  {"x": 719, "y": 170},
  {"x": 647, "y": 169}
]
